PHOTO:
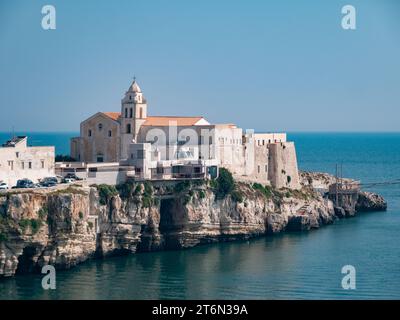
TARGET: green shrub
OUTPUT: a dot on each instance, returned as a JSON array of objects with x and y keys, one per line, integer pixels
[
  {"x": 147, "y": 199},
  {"x": 237, "y": 196},
  {"x": 32, "y": 223},
  {"x": 137, "y": 189},
  {"x": 225, "y": 184},
  {"x": 90, "y": 224},
  {"x": 42, "y": 213},
  {"x": 3, "y": 237},
  {"x": 182, "y": 186},
  {"x": 80, "y": 215},
  {"x": 202, "y": 194},
  {"x": 35, "y": 225},
  {"x": 106, "y": 192},
  {"x": 128, "y": 188},
  {"x": 265, "y": 190},
  {"x": 198, "y": 182},
  {"x": 186, "y": 199},
  {"x": 148, "y": 189},
  {"x": 24, "y": 224}
]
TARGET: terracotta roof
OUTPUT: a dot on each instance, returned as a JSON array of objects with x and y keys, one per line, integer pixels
[
  {"x": 161, "y": 120},
  {"x": 112, "y": 115},
  {"x": 165, "y": 121}
]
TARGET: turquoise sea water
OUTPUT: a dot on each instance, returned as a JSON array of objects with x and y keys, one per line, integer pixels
[
  {"x": 287, "y": 266},
  {"x": 58, "y": 139}
]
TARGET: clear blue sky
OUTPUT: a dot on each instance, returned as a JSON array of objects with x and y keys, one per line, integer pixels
[{"x": 268, "y": 65}]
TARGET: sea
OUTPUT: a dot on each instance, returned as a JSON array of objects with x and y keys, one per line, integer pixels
[{"x": 305, "y": 265}]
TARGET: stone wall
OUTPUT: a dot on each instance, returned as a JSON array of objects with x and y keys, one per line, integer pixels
[
  {"x": 95, "y": 140},
  {"x": 283, "y": 171},
  {"x": 22, "y": 162}
]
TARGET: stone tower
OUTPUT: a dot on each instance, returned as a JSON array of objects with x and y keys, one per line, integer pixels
[{"x": 133, "y": 115}]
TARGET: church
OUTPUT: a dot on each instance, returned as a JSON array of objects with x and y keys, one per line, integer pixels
[{"x": 177, "y": 147}]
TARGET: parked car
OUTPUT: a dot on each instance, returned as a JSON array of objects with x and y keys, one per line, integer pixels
[
  {"x": 49, "y": 182},
  {"x": 68, "y": 180},
  {"x": 25, "y": 183},
  {"x": 4, "y": 186},
  {"x": 72, "y": 176}
]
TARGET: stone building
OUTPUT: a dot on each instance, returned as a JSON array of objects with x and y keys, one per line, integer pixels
[
  {"x": 20, "y": 161},
  {"x": 168, "y": 147}
]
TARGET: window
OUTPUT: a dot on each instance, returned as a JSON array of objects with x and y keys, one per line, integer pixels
[
  {"x": 109, "y": 133},
  {"x": 258, "y": 169},
  {"x": 266, "y": 168},
  {"x": 11, "y": 165},
  {"x": 141, "y": 113},
  {"x": 90, "y": 133},
  {"x": 100, "y": 158},
  {"x": 131, "y": 155},
  {"x": 100, "y": 126},
  {"x": 128, "y": 128},
  {"x": 17, "y": 154},
  {"x": 30, "y": 165},
  {"x": 130, "y": 97},
  {"x": 42, "y": 163},
  {"x": 131, "y": 113},
  {"x": 23, "y": 165},
  {"x": 126, "y": 112},
  {"x": 140, "y": 154},
  {"x": 160, "y": 170}
]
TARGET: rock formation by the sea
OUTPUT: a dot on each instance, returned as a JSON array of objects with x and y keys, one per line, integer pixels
[
  {"x": 66, "y": 226},
  {"x": 369, "y": 201}
]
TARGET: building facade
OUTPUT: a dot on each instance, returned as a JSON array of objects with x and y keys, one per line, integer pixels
[
  {"x": 20, "y": 161},
  {"x": 174, "y": 147}
]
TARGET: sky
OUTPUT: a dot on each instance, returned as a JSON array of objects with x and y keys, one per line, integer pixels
[{"x": 281, "y": 65}]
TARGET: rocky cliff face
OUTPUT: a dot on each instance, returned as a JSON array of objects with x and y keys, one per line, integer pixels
[{"x": 66, "y": 227}]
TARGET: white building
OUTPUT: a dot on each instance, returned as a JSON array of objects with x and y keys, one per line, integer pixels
[
  {"x": 176, "y": 147},
  {"x": 20, "y": 161}
]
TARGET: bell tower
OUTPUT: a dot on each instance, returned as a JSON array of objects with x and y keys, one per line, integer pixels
[{"x": 133, "y": 115}]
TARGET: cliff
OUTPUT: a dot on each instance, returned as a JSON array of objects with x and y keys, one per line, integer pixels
[{"x": 64, "y": 227}]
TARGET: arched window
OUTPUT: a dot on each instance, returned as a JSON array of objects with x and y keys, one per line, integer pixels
[
  {"x": 100, "y": 126},
  {"x": 128, "y": 128}
]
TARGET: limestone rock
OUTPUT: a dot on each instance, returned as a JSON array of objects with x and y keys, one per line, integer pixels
[
  {"x": 368, "y": 201},
  {"x": 67, "y": 227}
]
